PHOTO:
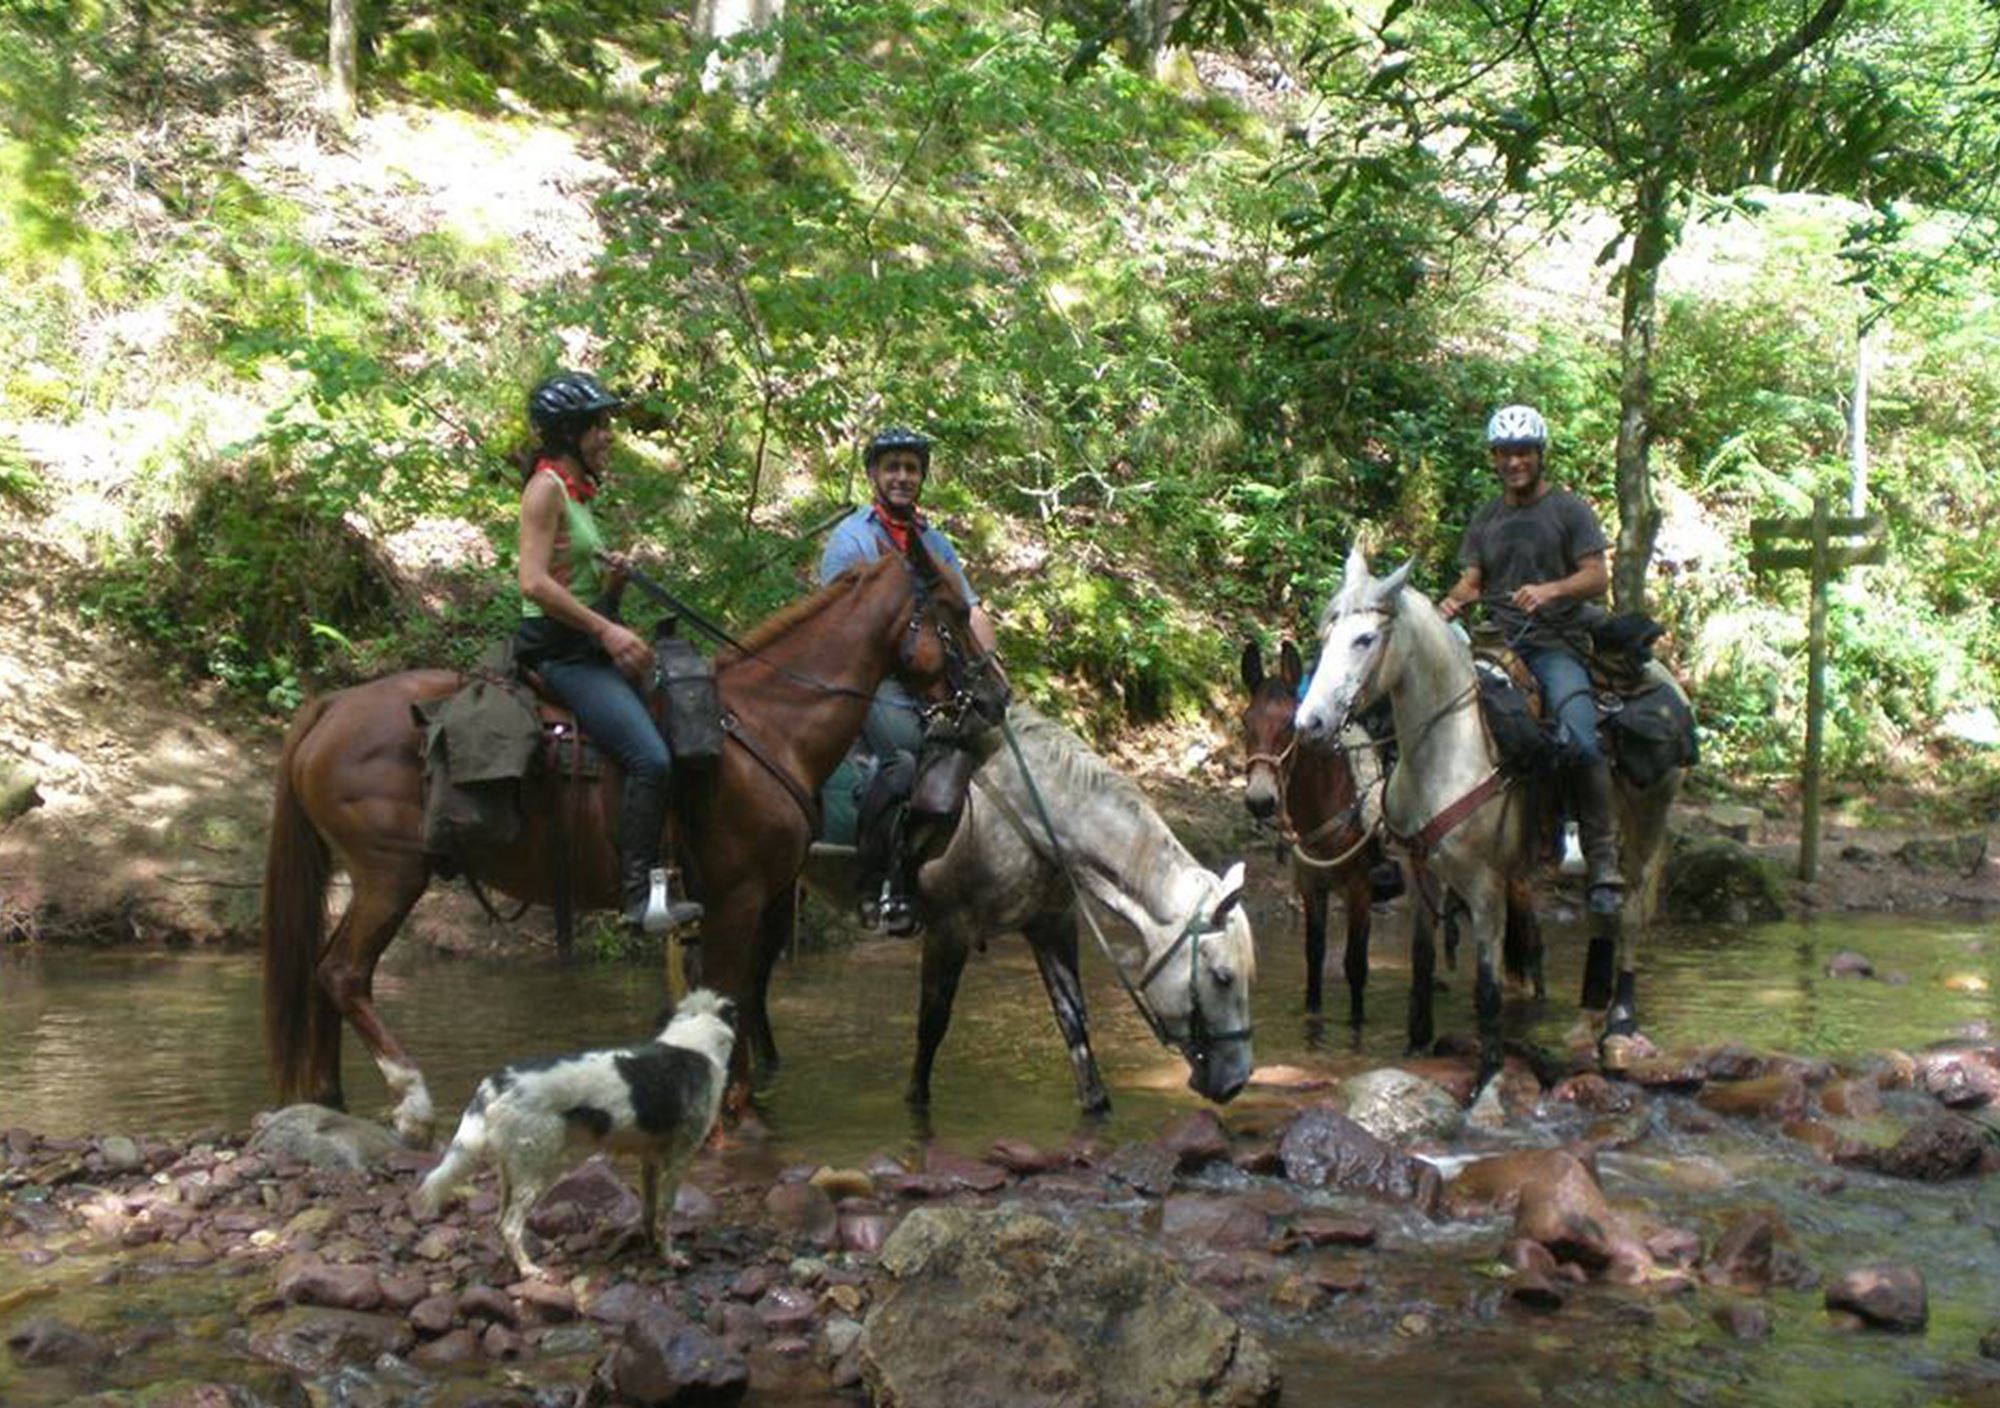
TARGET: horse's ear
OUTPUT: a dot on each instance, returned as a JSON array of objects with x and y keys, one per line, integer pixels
[
  {"x": 1354, "y": 584},
  {"x": 1291, "y": 668},
  {"x": 1232, "y": 894},
  {"x": 1253, "y": 665},
  {"x": 1386, "y": 589}
]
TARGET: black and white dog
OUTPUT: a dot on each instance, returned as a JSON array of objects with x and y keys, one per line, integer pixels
[{"x": 658, "y": 1101}]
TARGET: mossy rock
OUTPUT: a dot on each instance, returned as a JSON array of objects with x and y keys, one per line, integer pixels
[{"x": 1718, "y": 879}]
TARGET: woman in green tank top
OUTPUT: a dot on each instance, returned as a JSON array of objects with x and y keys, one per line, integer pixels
[{"x": 571, "y": 633}]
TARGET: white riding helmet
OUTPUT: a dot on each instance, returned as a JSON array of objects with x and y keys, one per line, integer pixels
[{"x": 1518, "y": 425}]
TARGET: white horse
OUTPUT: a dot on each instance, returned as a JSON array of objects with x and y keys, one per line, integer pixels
[
  {"x": 1002, "y": 871},
  {"x": 1446, "y": 800}
]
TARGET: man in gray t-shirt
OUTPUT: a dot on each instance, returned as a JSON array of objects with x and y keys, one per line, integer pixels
[{"x": 1534, "y": 556}]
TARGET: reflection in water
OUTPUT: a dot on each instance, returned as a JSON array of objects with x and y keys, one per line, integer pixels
[{"x": 170, "y": 1044}]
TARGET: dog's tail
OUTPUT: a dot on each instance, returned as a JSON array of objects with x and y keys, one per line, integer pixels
[{"x": 461, "y": 1160}]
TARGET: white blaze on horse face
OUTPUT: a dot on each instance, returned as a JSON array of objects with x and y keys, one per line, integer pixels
[{"x": 1353, "y": 635}]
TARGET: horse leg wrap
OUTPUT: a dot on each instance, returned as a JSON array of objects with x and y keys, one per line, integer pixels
[
  {"x": 1597, "y": 973},
  {"x": 1623, "y": 1018}
]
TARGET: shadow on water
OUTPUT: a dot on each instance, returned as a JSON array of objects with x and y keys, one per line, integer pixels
[{"x": 169, "y": 1044}]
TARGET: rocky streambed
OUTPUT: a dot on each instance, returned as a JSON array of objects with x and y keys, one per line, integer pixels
[{"x": 1322, "y": 1241}]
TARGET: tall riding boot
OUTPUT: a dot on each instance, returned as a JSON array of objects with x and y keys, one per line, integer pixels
[
  {"x": 645, "y": 906},
  {"x": 898, "y": 909},
  {"x": 1598, "y": 822}
]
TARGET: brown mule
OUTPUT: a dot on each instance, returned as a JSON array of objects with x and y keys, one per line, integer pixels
[
  {"x": 350, "y": 796},
  {"x": 1335, "y": 842}
]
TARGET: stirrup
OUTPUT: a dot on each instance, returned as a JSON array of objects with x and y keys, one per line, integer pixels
[{"x": 662, "y": 912}]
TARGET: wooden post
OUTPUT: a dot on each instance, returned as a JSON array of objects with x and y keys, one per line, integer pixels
[
  {"x": 1815, "y": 696},
  {"x": 1821, "y": 557}
]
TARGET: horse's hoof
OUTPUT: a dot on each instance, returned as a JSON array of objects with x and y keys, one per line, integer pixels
[{"x": 1618, "y": 1050}]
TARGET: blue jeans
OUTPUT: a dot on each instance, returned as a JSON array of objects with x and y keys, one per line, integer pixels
[
  {"x": 611, "y": 712},
  {"x": 1567, "y": 696}
]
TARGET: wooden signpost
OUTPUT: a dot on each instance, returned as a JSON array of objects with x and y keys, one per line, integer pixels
[{"x": 1779, "y": 544}]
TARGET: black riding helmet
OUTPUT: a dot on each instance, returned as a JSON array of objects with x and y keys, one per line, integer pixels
[
  {"x": 567, "y": 402},
  {"x": 898, "y": 437}
]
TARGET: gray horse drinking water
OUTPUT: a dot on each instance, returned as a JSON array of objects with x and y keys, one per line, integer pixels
[
  {"x": 1447, "y": 801},
  {"x": 1002, "y": 871}
]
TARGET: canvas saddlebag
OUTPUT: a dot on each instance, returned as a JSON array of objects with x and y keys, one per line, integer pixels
[{"x": 478, "y": 744}]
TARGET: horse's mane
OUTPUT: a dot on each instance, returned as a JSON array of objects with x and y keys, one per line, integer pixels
[
  {"x": 1065, "y": 769},
  {"x": 804, "y": 609}
]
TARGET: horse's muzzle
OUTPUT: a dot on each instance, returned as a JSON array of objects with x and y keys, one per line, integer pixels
[{"x": 1220, "y": 1070}]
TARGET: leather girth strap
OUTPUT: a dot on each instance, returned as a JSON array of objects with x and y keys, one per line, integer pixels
[{"x": 732, "y": 728}]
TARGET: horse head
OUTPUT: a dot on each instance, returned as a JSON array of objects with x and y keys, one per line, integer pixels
[
  {"x": 1269, "y": 734},
  {"x": 1202, "y": 995},
  {"x": 1353, "y": 667},
  {"x": 940, "y": 663}
]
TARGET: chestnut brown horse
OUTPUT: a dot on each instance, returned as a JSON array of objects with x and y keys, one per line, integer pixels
[
  {"x": 1332, "y": 819},
  {"x": 794, "y": 692}
]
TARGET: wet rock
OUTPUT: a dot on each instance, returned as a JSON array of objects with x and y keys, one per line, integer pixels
[
  {"x": 312, "y": 1341},
  {"x": 838, "y": 1336},
  {"x": 1144, "y": 1168},
  {"x": 46, "y": 1341},
  {"x": 1557, "y": 1202},
  {"x": 920, "y": 1185},
  {"x": 306, "y": 1280},
  {"x": 1337, "y": 1276},
  {"x": 1674, "y": 1246},
  {"x": 210, "y": 1395},
  {"x": 863, "y": 1233},
  {"x": 1018, "y": 1156},
  {"x": 1743, "y": 1255},
  {"x": 455, "y": 1347},
  {"x": 1259, "y": 1156},
  {"x": 1959, "y": 1079},
  {"x": 544, "y": 1302},
  {"x": 1456, "y": 1075},
  {"x": 1851, "y": 1100},
  {"x": 1196, "y": 1140},
  {"x": 1008, "y": 1307},
  {"x": 975, "y": 1174},
  {"x": 838, "y": 1183},
  {"x": 590, "y": 1198},
  {"x": 1296, "y": 1293},
  {"x": 1849, "y": 964},
  {"x": 692, "y": 1207},
  {"x": 1962, "y": 854},
  {"x": 560, "y": 1341},
  {"x": 1323, "y": 1149},
  {"x": 120, "y": 1155},
  {"x": 802, "y": 1212},
  {"x": 1781, "y": 1096},
  {"x": 1667, "y": 1073},
  {"x": 497, "y": 1342},
  {"x": 1887, "y": 1295},
  {"x": 1733, "y": 1061},
  {"x": 321, "y": 1138},
  {"x": 1326, "y": 1230},
  {"x": 1719, "y": 880},
  {"x": 1989, "y": 1344},
  {"x": 488, "y": 1303},
  {"x": 1222, "y": 1224},
  {"x": 753, "y": 1281},
  {"x": 1744, "y": 1320},
  {"x": 402, "y": 1290},
  {"x": 783, "y": 1309},
  {"x": 1398, "y": 1107},
  {"x": 666, "y": 1360},
  {"x": 1941, "y": 1148},
  {"x": 621, "y": 1303},
  {"x": 1525, "y": 1254},
  {"x": 433, "y": 1315}
]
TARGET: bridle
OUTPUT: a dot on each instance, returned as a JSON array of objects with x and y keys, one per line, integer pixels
[
  {"x": 1348, "y": 817},
  {"x": 964, "y": 669}
]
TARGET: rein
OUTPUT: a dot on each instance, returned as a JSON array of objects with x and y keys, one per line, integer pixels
[
  {"x": 1281, "y": 763},
  {"x": 1193, "y": 1046}
]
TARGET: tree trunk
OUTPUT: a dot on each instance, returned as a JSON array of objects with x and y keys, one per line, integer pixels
[
  {"x": 342, "y": 45},
  {"x": 1638, "y": 515},
  {"x": 1857, "y": 431}
]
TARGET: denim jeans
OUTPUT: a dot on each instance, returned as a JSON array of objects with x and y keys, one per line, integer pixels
[
  {"x": 611, "y": 712},
  {"x": 1567, "y": 696}
]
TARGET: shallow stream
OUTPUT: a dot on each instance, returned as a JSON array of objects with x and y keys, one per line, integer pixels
[{"x": 168, "y": 1044}]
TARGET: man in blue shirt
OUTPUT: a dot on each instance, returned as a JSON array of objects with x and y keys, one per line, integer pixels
[{"x": 897, "y": 461}]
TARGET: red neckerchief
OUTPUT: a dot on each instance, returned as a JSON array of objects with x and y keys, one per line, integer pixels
[
  {"x": 582, "y": 490},
  {"x": 899, "y": 529}
]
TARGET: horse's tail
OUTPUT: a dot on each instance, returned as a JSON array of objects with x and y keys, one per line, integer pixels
[
  {"x": 297, "y": 866},
  {"x": 461, "y": 1160}
]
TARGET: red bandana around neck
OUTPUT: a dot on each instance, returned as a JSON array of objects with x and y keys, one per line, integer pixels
[
  {"x": 898, "y": 529},
  {"x": 582, "y": 490}
]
